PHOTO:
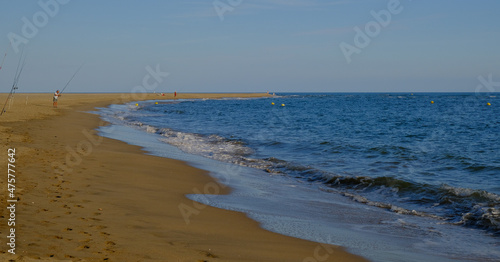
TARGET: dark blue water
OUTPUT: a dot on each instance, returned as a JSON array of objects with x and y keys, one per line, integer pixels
[{"x": 398, "y": 152}]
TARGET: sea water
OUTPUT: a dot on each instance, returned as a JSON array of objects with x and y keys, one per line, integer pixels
[{"x": 392, "y": 177}]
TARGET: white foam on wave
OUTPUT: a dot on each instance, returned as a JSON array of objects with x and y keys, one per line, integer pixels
[
  {"x": 213, "y": 147},
  {"x": 151, "y": 129},
  {"x": 387, "y": 206},
  {"x": 466, "y": 192}
]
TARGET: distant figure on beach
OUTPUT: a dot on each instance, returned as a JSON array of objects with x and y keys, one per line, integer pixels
[
  {"x": 54, "y": 100},
  {"x": 175, "y": 94}
]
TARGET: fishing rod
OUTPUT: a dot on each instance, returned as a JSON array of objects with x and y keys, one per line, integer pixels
[
  {"x": 4, "y": 56},
  {"x": 19, "y": 70},
  {"x": 3, "y": 60},
  {"x": 71, "y": 79}
]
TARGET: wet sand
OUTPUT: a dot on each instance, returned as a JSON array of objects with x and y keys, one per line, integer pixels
[{"x": 87, "y": 198}]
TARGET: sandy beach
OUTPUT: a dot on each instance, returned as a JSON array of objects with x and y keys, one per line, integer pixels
[{"x": 81, "y": 197}]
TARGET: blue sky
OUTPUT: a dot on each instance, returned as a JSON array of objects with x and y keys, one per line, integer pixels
[{"x": 252, "y": 46}]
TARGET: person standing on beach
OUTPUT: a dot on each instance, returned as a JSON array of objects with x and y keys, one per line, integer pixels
[{"x": 54, "y": 100}]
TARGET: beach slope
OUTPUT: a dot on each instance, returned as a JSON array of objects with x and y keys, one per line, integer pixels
[{"x": 81, "y": 197}]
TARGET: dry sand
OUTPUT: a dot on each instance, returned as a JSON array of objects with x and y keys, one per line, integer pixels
[{"x": 88, "y": 198}]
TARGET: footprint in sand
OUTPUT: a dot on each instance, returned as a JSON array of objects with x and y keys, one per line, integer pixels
[
  {"x": 45, "y": 222},
  {"x": 110, "y": 250},
  {"x": 208, "y": 254},
  {"x": 85, "y": 233},
  {"x": 84, "y": 247}
]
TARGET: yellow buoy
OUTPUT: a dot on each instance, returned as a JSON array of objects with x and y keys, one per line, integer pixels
[
  {"x": 432, "y": 102},
  {"x": 282, "y": 104},
  {"x": 489, "y": 104},
  {"x": 136, "y": 104},
  {"x": 156, "y": 103},
  {"x": 272, "y": 103}
]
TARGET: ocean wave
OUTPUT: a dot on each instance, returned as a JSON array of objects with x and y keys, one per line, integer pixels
[
  {"x": 461, "y": 206},
  {"x": 388, "y": 206}
]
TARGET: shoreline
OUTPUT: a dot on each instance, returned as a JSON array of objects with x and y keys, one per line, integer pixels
[{"x": 118, "y": 203}]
